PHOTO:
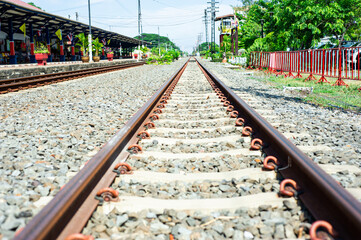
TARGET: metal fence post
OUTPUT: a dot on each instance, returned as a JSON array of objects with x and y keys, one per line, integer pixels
[
  {"x": 339, "y": 81},
  {"x": 323, "y": 79},
  {"x": 290, "y": 70},
  {"x": 299, "y": 66}
]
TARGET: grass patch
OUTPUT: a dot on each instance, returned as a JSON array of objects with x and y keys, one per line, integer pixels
[{"x": 324, "y": 94}]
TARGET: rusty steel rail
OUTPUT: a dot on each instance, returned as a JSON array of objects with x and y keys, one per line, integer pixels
[
  {"x": 15, "y": 84},
  {"x": 70, "y": 209},
  {"x": 318, "y": 191}
]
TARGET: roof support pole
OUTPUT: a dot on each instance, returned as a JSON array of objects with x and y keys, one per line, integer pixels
[
  {"x": 32, "y": 54},
  {"x": 12, "y": 56},
  {"x": 50, "y": 59},
  {"x": 72, "y": 50},
  {"x": 62, "y": 56},
  {"x": 232, "y": 42},
  {"x": 236, "y": 41},
  {"x": 221, "y": 40}
]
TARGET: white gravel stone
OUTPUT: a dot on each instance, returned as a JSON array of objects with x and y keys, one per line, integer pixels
[{"x": 49, "y": 131}]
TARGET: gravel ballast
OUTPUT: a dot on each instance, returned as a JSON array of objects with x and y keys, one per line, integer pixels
[
  {"x": 48, "y": 133},
  {"x": 335, "y": 134}
]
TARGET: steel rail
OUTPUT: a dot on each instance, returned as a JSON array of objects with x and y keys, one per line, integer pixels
[
  {"x": 318, "y": 191},
  {"x": 50, "y": 222},
  {"x": 20, "y": 79},
  {"x": 7, "y": 85}
]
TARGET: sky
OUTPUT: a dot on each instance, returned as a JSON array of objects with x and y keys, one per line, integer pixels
[{"x": 180, "y": 20}]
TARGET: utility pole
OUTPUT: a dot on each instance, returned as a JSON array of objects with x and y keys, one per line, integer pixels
[
  {"x": 90, "y": 35},
  {"x": 158, "y": 41},
  {"x": 213, "y": 9},
  {"x": 139, "y": 28},
  {"x": 200, "y": 36},
  {"x": 76, "y": 16},
  {"x": 205, "y": 20}
]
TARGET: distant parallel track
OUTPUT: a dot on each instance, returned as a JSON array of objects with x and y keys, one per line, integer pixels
[{"x": 17, "y": 84}]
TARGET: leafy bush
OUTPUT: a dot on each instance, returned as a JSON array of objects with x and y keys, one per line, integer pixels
[
  {"x": 217, "y": 59},
  {"x": 41, "y": 48},
  {"x": 166, "y": 57}
]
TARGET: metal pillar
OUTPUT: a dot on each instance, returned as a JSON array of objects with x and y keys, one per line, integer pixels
[
  {"x": 232, "y": 41},
  {"x": 213, "y": 28},
  {"x": 62, "y": 57},
  {"x": 32, "y": 55},
  {"x": 50, "y": 59},
  {"x": 206, "y": 26},
  {"x": 236, "y": 41},
  {"x": 12, "y": 56},
  {"x": 73, "y": 58}
]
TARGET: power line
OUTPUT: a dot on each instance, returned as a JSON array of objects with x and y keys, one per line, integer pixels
[
  {"x": 143, "y": 17},
  {"x": 166, "y": 4},
  {"x": 121, "y": 5}
]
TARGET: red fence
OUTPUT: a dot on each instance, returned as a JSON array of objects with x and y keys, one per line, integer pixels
[{"x": 340, "y": 63}]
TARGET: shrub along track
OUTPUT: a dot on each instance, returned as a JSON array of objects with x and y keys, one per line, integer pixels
[
  {"x": 203, "y": 161},
  {"x": 16, "y": 84}
]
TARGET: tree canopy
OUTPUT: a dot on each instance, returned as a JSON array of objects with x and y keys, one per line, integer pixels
[
  {"x": 153, "y": 39},
  {"x": 297, "y": 24},
  {"x": 33, "y": 4}
]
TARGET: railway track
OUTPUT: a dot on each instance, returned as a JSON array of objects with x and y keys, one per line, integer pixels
[
  {"x": 196, "y": 162},
  {"x": 16, "y": 84}
]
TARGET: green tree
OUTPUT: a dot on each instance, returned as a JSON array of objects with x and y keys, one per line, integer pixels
[
  {"x": 297, "y": 24},
  {"x": 33, "y": 4},
  {"x": 154, "y": 38}
]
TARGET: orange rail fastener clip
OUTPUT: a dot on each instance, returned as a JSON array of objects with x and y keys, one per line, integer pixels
[
  {"x": 270, "y": 166},
  {"x": 256, "y": 144},
  {"x": 79, "y": 236},
  {"x": 321, "y": 224},
  {"x": 288, "y": 191},
  {"x": 247, "y": 131}
]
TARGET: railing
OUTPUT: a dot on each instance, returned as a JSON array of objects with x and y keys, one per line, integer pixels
[{"x": 340, "y": 63}]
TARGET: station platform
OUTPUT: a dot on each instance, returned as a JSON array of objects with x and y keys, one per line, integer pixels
[{"x": 31, "y": 69}]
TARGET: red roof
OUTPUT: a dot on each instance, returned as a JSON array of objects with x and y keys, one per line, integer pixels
[
  {"x": 23, "y": 4},
  {"x": 225, "y": 17}
]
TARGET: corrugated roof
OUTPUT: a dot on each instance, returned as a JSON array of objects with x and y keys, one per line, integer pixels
[{"x": 23, "y": 4}]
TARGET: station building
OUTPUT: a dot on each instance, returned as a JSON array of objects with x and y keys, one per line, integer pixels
[{"x": 22, "y": 26}]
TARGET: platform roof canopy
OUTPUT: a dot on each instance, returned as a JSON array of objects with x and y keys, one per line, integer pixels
[{"x": 21, "y": 13}]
